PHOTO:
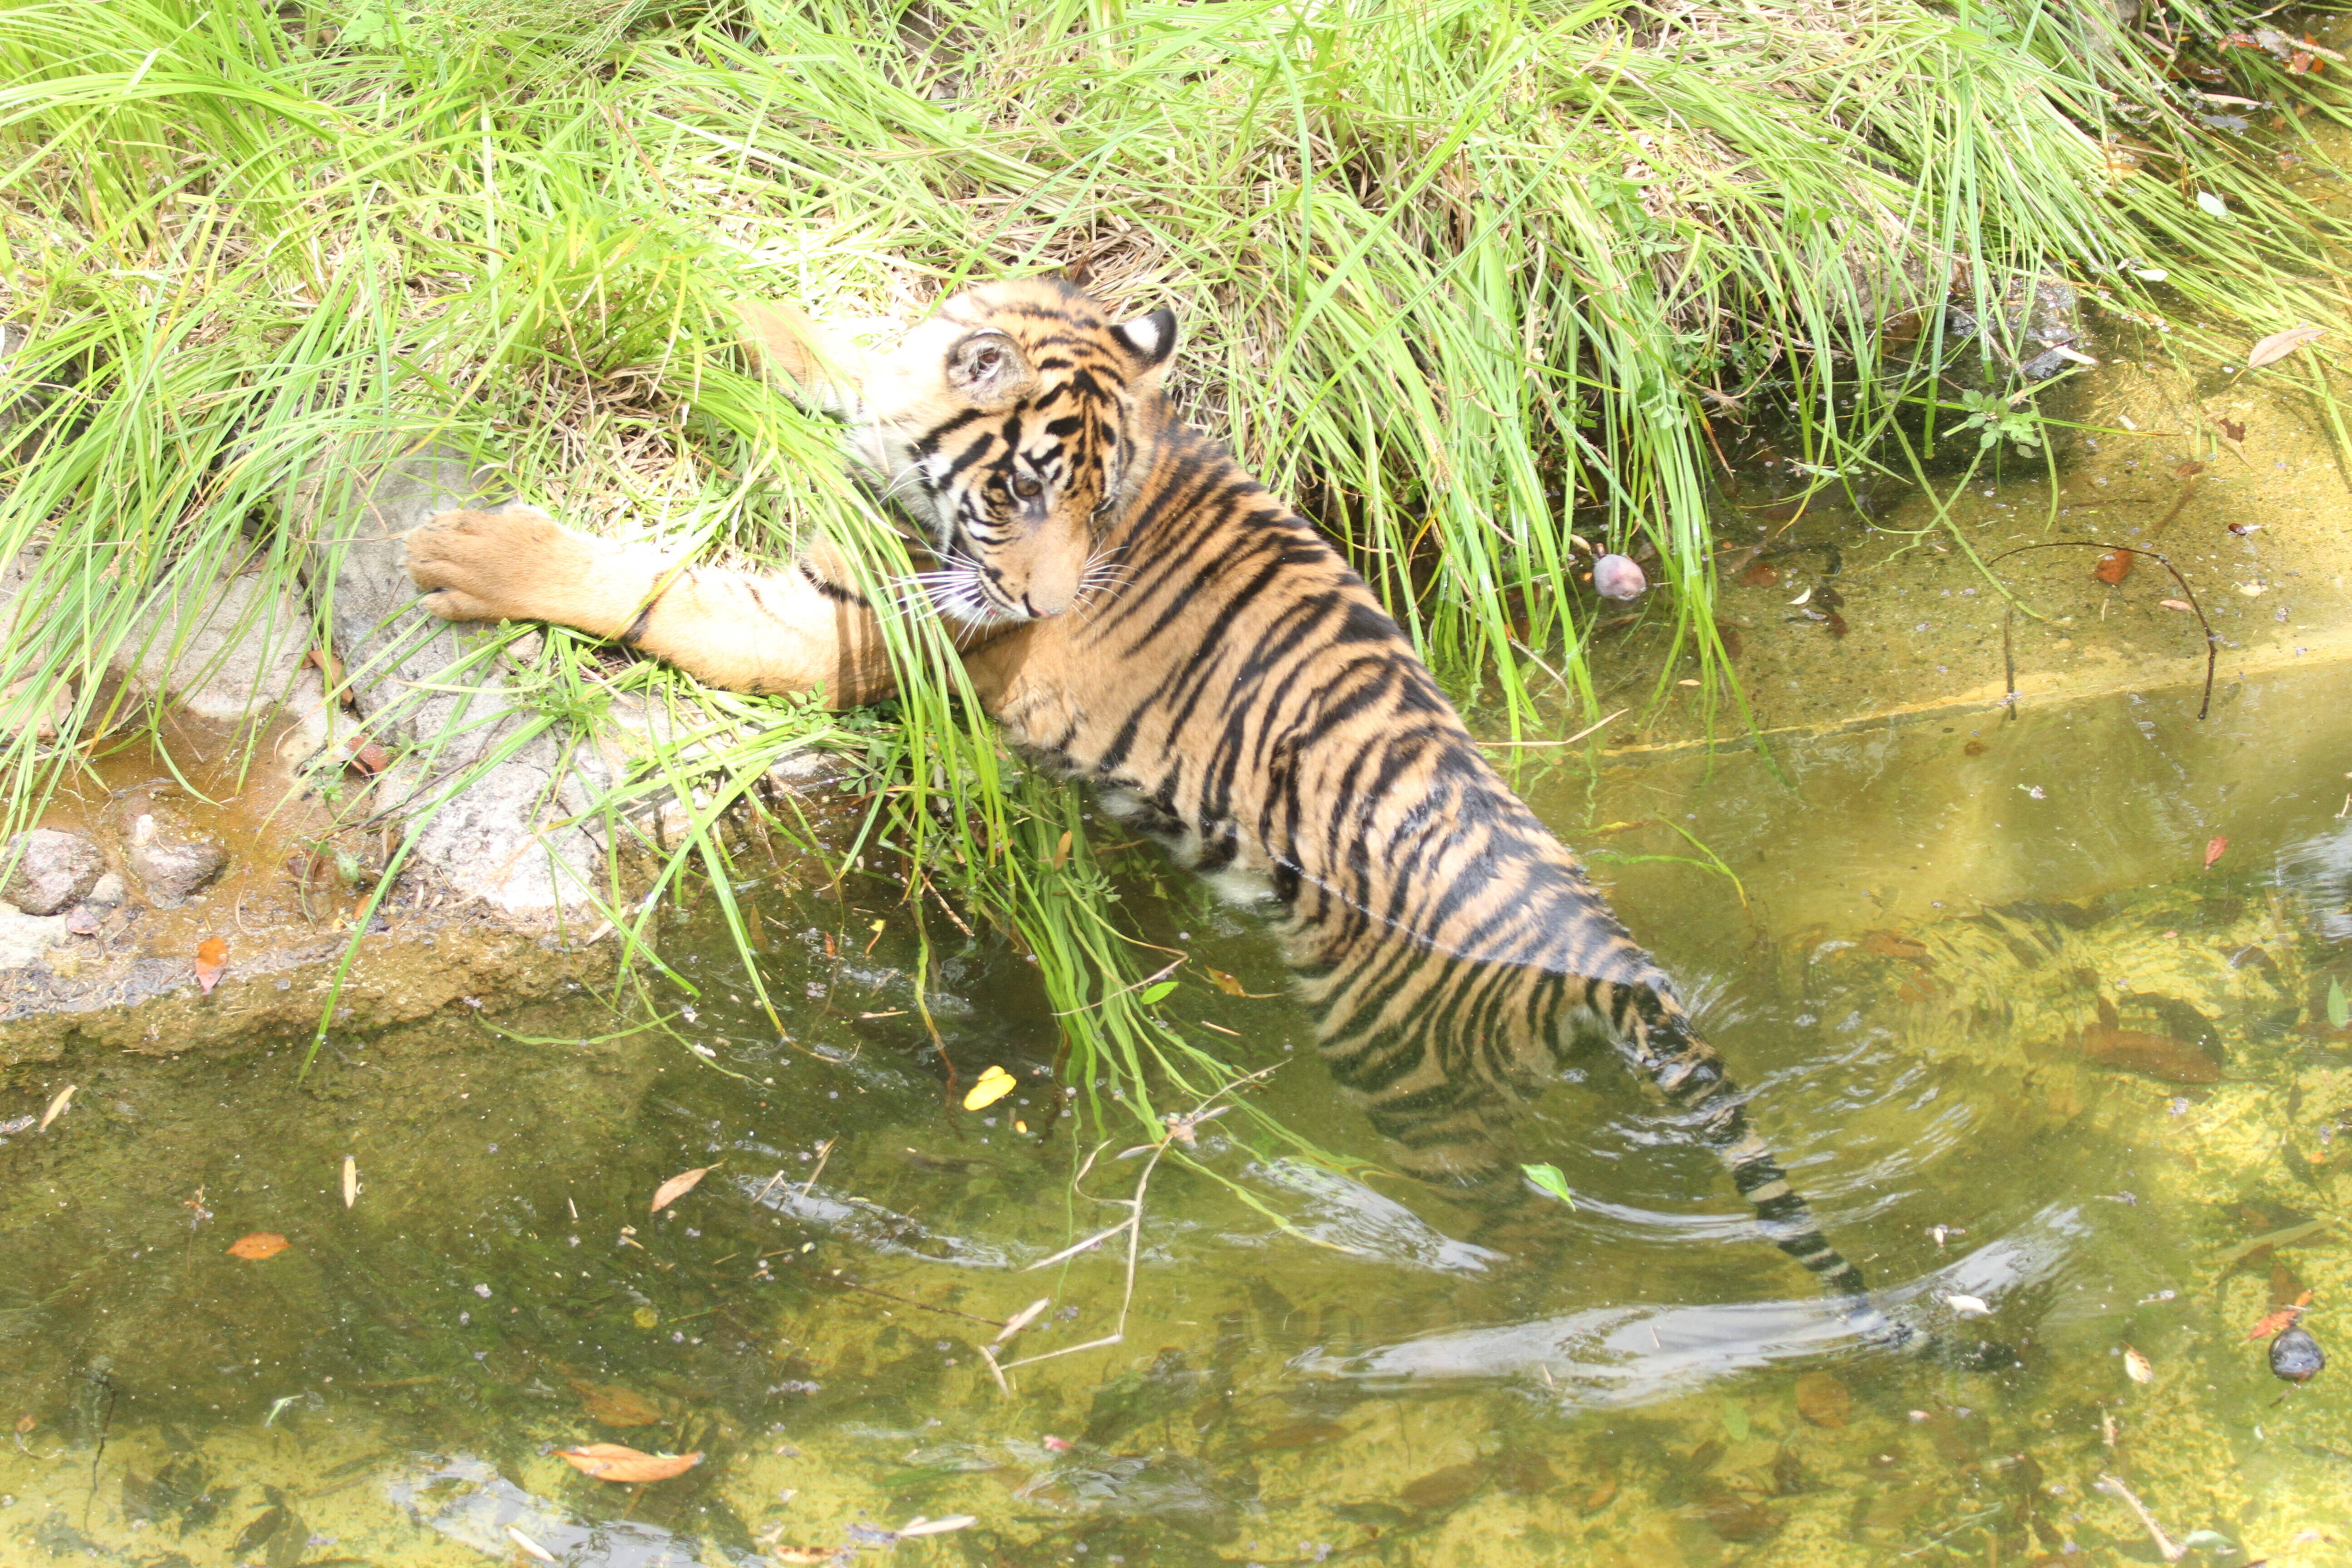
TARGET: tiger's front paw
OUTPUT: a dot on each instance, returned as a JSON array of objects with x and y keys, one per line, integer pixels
[{"x": 518, "y": 564}]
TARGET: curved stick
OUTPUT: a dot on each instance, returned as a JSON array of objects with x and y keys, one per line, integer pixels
[{"x": 2212, "y": 643}]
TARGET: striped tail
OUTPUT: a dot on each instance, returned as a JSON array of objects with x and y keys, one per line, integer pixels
[{"x": 1653, "y": 1029}]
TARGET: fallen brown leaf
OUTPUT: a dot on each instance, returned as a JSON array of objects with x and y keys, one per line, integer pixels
[
  {"x": 1231, "y": 986},
  {"x": 212, "y": 960},
  {"x": 1442, "y": 1488},
  {"x": 1823, "y": 1400},
  {"x": 678, "y": 1186},
  {"x": 1761, "y": 575},
  {"x": 1893, "y": 945},
  {"x": 57, "y": 1103},
  {"x": 2278, "y": 345},
  {"x": 371, "y": 759},
  {"x": 2153, "y": 1056},
  {"x": 2113, "y": 567},
  {"x": 2180, "y": 604},
  {"x": 261, "y": 1244},
  {"x": 2213, "y": 849},
  {"x": 614, "y": 1406},
  {"x": 612, "y": 1462},
  {"x": 82, "y": 921},
  {"x": 2282, "y": 1319}
]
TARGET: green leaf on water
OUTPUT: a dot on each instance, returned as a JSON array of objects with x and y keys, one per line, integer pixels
[
  {"x": 1735, "y": 1420},
  {"x": 1158, "y": 993},
  {"x": 2339, "y": 1012},
  {"x": 1548, "y": 1181}
]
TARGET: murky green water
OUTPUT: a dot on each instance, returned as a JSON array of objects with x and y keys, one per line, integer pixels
[{"x": 1949, "y": 944}]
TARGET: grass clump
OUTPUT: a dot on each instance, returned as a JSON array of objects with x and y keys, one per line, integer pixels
[{"x": 1471, "y": 282}]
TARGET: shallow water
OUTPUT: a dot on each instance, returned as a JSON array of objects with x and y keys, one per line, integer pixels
[{"x": 1949, "y": 945}]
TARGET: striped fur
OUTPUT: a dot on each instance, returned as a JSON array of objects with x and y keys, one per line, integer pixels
[{"x": 1141, "y": 613}]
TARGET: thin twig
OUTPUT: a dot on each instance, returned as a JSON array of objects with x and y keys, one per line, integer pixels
[
  {"x": 823, "y": 1153},
  {"x": 910, "y": 1301},
  {"x": 1156, "y": 975},
  {"x": 2212, "y": 641},
  {"x": 1178, "y": 1130},
  {"x": 1566, "y": 741},
  {"x": 2165, "y": 1546}
]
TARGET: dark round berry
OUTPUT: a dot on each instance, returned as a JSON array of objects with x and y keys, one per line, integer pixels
[{"x": 2296, "y": 1356}]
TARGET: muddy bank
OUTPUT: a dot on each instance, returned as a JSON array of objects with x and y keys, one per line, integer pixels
[
  {"x": 158, "y": 1006},
  {"x": 250, "y": 767}
]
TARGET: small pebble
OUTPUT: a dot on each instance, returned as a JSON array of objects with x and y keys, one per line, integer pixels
[{"x": 1617, "y": 577}]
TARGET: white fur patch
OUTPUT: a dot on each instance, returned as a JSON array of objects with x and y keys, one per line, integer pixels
[{"x": 1143, "y": 335}]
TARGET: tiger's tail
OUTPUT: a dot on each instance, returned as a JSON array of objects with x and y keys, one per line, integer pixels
[{"x": 1654, "y": 1031}]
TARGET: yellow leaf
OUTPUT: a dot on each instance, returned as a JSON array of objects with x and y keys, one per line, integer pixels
[
  {"x": 992, "y": 1086},
  {"x": 58, "y": 1104},
  {"x": 261, "y": 1244}
]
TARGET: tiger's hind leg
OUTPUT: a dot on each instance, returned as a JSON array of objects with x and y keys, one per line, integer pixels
[{"x": 797, "y": 630}]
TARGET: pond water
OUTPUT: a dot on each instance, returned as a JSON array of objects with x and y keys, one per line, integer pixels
[{"x": 2037, "y": 1010}]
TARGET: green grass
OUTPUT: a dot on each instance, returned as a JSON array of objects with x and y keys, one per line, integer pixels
[{"x": 1465, "y": 279}]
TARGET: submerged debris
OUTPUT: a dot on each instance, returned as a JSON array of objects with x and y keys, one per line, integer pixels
[{"x": 2296, "y": 1357}]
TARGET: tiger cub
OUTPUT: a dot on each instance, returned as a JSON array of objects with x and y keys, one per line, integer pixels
[{"x": 1138, "y": 611}]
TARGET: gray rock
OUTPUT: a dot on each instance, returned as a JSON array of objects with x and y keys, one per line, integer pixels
[
  {"x": 515, "y": 834},
  {"x": 53, "y": 870},
  {"x": 21, "y": 704},
  {"x": 111, "y": 892},
  {"x": 26, "y": 939},
  {"x": 171, "y": 862},
  {"x": 241, "y": 654},
  {"x": 2040, "y": 329},
  {"x": 492, "y": 837}
]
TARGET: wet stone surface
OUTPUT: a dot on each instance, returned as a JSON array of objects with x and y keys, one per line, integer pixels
[
  {"x": 173, "y": 860},
  {"x": 53, "y": 870}
]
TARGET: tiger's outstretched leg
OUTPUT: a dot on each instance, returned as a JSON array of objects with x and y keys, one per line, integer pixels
[{"x": 800, "y": 629}]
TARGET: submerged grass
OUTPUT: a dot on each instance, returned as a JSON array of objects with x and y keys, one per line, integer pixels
[{"x": 1470, "y": 282}]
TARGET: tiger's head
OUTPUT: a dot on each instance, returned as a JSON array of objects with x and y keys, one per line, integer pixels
[{"x": 1005, "y": 426}]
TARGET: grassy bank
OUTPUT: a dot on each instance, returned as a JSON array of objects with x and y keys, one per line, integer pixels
[{"x": 1476, "y": 284}]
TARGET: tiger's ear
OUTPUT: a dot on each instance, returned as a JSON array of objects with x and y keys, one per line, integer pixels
[
  {"x": 1150, "y": 340},
  {"x": 987, "y": 367},
  {"x": 818, "y": 369}
]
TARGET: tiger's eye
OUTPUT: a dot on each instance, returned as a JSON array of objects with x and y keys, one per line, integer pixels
[{"x": 1024, "y": 487}]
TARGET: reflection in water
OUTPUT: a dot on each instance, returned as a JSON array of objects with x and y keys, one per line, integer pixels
[
  {"x": 1411, "y": 1373},
  {"x": 467, "y": 1500},
  {"x": 1635, "y": 1355},
  {"x": 2318, "y": 872}
]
